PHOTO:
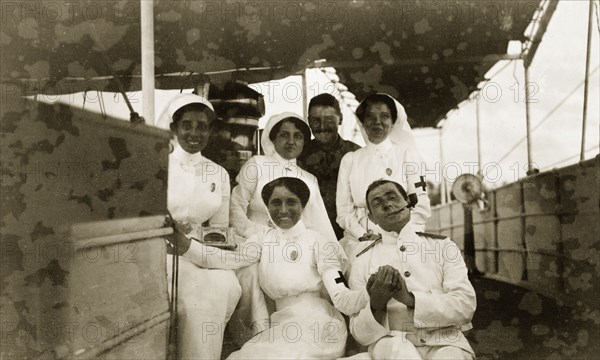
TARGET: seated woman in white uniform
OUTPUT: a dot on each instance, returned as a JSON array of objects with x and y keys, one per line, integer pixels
[
  {"x": 282, "y": 142},
  {"x": 390, "y": 154},
  {"x": 198, "y": 193},
  {"x": 302, "y": 271}
]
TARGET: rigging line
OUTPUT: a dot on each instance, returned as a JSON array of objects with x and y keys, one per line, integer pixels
[
  {"x": 500, "y": 70},
  {"x": 101, "y": 103},
  {"x": 547, "y": 116},
  {"x": 570, "y": 157},
  {"x": 597, "y": 17},
  {"x": 514, "y": 74}
]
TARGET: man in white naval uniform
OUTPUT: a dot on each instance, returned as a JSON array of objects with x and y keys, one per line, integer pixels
[{"x": 420, "y": 298}]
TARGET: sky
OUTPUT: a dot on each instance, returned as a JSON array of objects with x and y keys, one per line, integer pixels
[{"x": 556, "y": 80}]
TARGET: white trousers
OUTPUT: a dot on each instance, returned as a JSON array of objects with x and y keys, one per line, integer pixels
[
  {"x": 397, "y": 347},
  {"x": 206, "y": 300}
]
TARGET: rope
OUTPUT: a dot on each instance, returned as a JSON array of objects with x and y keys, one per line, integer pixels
[
  {"x": 547, "y": 116},
  {"x": 173, "y": 303}
]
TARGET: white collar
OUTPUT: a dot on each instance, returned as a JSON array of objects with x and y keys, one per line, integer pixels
[
  {"x": 281, "y": 160},
  {"x": 185, "y": 157},
  {"x": 383, "y": 147},
  {"x": 391, "y": 237},
  {"x": 293, "y": 231}
]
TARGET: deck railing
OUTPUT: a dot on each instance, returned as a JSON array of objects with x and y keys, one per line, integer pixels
[{"x": 542, "y": 232}]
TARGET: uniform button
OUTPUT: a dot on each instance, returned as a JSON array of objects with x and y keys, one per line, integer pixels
[
  {"x": 407, "y": 273},
  {"x": 422, "y": 341},
  {"x": 403, "y": 248}
]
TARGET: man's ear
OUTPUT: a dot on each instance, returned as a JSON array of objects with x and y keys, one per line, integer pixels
[
  {"x": 173, "y": 127},
  {"x": 370, "y": 216}
]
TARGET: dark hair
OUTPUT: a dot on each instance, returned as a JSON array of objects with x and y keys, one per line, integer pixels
[
  {"x": 377, "y": 183},
  {"x": 376, "y": 99},
  {"x": 299, "y": 123},
  {"x": 295, "y": 185},
  {"x": 199, "y": 107},
  {"x": 326, "y": 100}
]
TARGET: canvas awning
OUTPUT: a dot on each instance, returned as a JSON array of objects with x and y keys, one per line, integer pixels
[{"x": 428, "y": 54}]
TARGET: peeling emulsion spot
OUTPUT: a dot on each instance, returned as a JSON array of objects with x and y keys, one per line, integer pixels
[
  {"x": 105, "y": 34},
  {"x": 192, "y": 36},
  {"x": 4, "y": 39},
  {"x": 12, "y": 256},
  {"x": 28, "y": 29},
  {"x": 40, "y": 231},
  {"x": 384, "y": 50},
  {"x": 439, "y": 83},
  {"x": 38, "y": 70},
  {"x": 552, "y": 271},
  {"x": 123, "y": 64},
  {"x": 23, "y": 326},
  {"x": 84, "y": 199},
  {"x": 447, "y": 52},
  {"x": 369, "y": 79},
  {"x": 169, "y": 16},
  {"x": 118, "y": 146},
  {"x": 10, "y": 121},
  {"x": 498, "y": 339},
  {"x": 422, "y": 27},
  {"x": 75, "y": 69},
  {"x": 460, "y": 91},
  {"x": 107, "y": 193},
  {"x": 53, "y": 273},
  {"x": 139, "y": 185},
  {"x": 540, "y": 330},
  {"x": 313, "y": 52},
  {"x": 357, "y": 53},
  {"x": 588, "y": 314},
  {"x": 104, "y": 322},
  {"x": 207, "y": 62},
  {"x": 251, "y": 22},
  {"x": 547, "y": 191},
  {"x": 60, "y": 120},
  {"x": 531, "y": 303},
  {"x": 492, "y": 295},
  {"x": 581, "y": 282},
  {"x": 60, "y": 305},
  {"x": 163, "y": 176}
]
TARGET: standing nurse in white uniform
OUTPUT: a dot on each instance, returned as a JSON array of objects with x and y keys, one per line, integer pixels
[
  {"x": 390, "y": 154},
  {"x": 198, "y": 193}
]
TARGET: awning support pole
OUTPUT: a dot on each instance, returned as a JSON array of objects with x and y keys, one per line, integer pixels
[
  {"x": 477, "y": 116},
  {"x": 587, "y": 78},
  {"x": 305, "y": 96},
  {"x": 443, "y": 189},
  {"x": 530, "y": 168},
  {"x": 147, "y": 33}
]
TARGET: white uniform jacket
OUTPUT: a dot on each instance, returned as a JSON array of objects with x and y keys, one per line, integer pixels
[
  {"x": 360, "y": 168},
  {"x": 435, "y": 273}
]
